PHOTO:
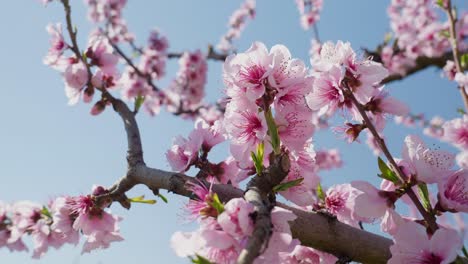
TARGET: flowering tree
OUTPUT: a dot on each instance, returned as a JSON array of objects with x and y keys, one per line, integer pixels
[{"x": 273, "y": 104}]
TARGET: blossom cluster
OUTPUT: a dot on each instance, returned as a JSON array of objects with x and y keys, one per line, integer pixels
[
  {"x": 62, "y": 221},
  {"x": 418, "y": 32},
  {"x": 225, "y": 228},
  {"x": 237, "y": 23},
  {"x": 187, "y": 91},
  {"x": 309, "y": 11},
  {"x": 338, "y": 71},
  {"x": 110, "y": 11}
]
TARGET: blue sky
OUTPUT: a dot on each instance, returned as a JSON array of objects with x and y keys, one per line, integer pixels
[{"x": 48, "y": 148}]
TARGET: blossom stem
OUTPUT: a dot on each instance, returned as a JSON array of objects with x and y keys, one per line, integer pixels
[
  {"x": 456, "y": 53},
  {"x": 272, "y": 130},
  {"x": 72, "y": 33},
  {"x": 430, "y": 218}
]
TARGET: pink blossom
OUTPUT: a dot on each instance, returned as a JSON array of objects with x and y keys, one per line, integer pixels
[
  {"x": 456, "y": 132},
  {"x": 309, "y": 11},
  {"x": 237, "y": 23},
  {"x": 431, "y": 165},
  {"x": 62, "y": 220},
  {"x": 391, "y": 222},
  {"x": 435, "y": 129},
  {"x": 412, "y": 245},
  {"x": 210, "y": 136},
  {"x": 245, "y": 73},
  {"x": 366, "y": 202},
  {"x": 450, "y": 70},
  {"x": 294, "y": 126},
  {"x": 189, "y": 84},
  {"x": 306, "y": 255},
  {"x": 100, "y": 52},
  {"x": 336, "y": 201},
  {"x": 183, "y": 153},
  {"x": 327, "y": 94},
  {"x": 462, "y": 159},
  {"x": 373, "y": 144},
  {"x": 303, "y": 194},
  {"x": 15, "y": 243},
  {"x": 246, "y": 128},
  {"x": 328, "y": 159},
  {"x": 57, "y": 46},
  {"x": 76, "y": 76},
  {"x": 133, "y": 85},
  {"x": 237, "y": 218},
  {"x": 232, "y": 173},
  {"x": 98, "y": 226},
  {"x": 281, "y": 240},
  {"x": 286, "y": 71},
  {"x": 453, "y": 192},
  {"x": 462, "y": 80}
]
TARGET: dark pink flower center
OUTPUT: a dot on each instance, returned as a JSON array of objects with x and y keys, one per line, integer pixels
[
  {"x": 253, "y": 74},
  {"x": 335, "y": 202},
  {"x": 456, "y": 190},
  {"x": 430, "y": 258},
  {"x": 250, "y": 126}
]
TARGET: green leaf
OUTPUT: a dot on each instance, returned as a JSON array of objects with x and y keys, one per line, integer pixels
[
  {"x": 199, "y": 260},
  {"x": 284, "y": 186},
  {"x": 388, "y": 37},
  {"x": 387, "y": 173},
  {"x": 141, "y": 199},
  {"x": 320, "y": 193},
  {"x": 464, "y": 60},
  {"x": 258, "y": 158},
  {"x": 46, "y": 212},
  {"x": 440, "y": 3},
  {"x": 163, "y": 198},
  {"x": 424, "y": 194},
  {"x": 444, "y": 33},
  {"x": 216, "y": 203},
  {"x": 461, "y": 111},
  {"x": 273, "y": 131},
  {"x": 139, "y": 102}
]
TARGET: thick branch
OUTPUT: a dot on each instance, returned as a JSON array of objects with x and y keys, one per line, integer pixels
[
  {"x": 422, "y": 63},
  {"x": 312, "y": 229},
  {"x": 135, "y": 149},
  {"x": 259, "y": 194}
]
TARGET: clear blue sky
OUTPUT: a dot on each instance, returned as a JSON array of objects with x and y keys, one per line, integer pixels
[{"x": 48, "y": 148}]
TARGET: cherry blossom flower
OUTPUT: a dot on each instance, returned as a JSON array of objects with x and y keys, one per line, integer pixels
[
  {"x": 236, "y": 218},
  {"x": 367, "y": 202},
  {"x": 245, "y": 73},
  {"x": 453, "y": 192},
  {"x": 412, "y": 245},
  {"x": 76, "y": 76},
  {"x": 183, "y": 153},
  {"x": 456, "y": 132},
  {"x": 57, "y": 46},
  {"x": 434, "y": 128},
  {"x": 431, "y": 165}
]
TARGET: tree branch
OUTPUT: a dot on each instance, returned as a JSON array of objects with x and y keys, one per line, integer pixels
[
  {"x": 259, "y": 194},
  {"x": 312, "y": 229},
  {"x": 212, "y": 54},
  {"x": 422, "y": 63},
  {"x": 455, "y": 51},
  {"x": 430, "y": 218}
]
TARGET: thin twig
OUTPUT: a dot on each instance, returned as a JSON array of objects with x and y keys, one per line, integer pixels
[
  {"x": 456, "y": 52},
  {"x": 430, "y": 219}
]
